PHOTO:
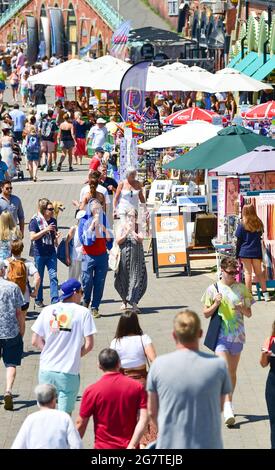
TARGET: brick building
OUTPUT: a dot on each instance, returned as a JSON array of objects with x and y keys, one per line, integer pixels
[{"x": 83, "y": 20}]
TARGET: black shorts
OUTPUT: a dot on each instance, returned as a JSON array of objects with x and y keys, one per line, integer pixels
[{"x": 11, "y": 351}]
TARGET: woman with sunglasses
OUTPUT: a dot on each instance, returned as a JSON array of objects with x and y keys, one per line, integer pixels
[
  {"x": 249, "y": 247},
  {"x": 128, "y": 195},
  {"x": 233, "y": 301},
  {"x": 44, "y": 237}
]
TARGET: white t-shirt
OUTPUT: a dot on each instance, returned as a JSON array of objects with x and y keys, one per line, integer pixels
[
  {"x": 64, "y": 337},
  {"x": 48, "y": 429},
  {"x": 86, "y": 189},
  {"x": 98, "y": 136},
  {"x": 130, "y": 350}
]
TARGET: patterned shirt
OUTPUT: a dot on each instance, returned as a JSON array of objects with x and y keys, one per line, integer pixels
[
  {"x": 232, "y": 328},
  {"x": 11, "y": 299}
]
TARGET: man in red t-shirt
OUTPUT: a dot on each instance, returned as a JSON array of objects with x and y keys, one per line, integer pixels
[
  {"x": 60, "y": 93},
  {"x": 96, "y": 160},
  {"x": 118, "y": 405}
]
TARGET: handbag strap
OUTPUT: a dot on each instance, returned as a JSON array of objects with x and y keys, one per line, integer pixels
[
  {"x": 148, "y": 363},
  {"x": 216, "y": 287}
]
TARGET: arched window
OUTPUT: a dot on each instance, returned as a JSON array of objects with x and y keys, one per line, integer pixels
[
  {"x": 99, "y": 46},
  {"x": 72, "y": 30},
  {"x": 22, "y": 31},
  {"x": 84, "y": 35},
  {"x": 43, "y": 11}
]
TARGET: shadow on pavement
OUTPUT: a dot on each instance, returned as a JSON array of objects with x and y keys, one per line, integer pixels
[
  {"x": 150, "y": 310},
  {"x": 25, "y": 404},
  {"x": 30, "y": 353},
  {"x": 249, "y": 419}
]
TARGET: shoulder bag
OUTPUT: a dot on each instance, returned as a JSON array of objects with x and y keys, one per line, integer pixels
[
  {"x": 211, "y": 337},
  {"x": 61, "y": 250},
  {"x": 114, "y": 257}
]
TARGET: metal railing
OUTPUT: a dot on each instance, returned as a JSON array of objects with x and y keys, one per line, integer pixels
[
  {"x": 107, "y": 12},
  {"x": 102, "y": 7},
  {"x": 8, "y": 14}
]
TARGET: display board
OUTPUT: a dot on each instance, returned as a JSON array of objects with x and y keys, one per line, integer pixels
[
  {"x": 169, "y": 241},
  {"x": 160, "y": 189}
]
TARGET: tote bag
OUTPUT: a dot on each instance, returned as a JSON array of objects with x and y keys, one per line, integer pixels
[
  {"x": 211, "y": 337},
  {"x": 61, "y": 250},
  {"x": 114, "y": 258}
]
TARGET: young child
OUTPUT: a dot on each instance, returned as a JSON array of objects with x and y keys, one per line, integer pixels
[
  {"x": 19, "y": 270},
  {"x": 74, "y": 249}
]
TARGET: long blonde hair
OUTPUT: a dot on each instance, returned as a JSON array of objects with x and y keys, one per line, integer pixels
[
  {"x": 8, "y": 226},
  {"x": 251, "y": 222}
]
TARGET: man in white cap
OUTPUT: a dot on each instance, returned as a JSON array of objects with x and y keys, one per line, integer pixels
[
  {"x": 64, "y": 333},
  {"x": 98, "y": 134}
]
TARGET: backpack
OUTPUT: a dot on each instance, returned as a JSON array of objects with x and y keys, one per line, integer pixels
[
  {"x": 33, "y": 145},
  {"x": 46, "y": 128},
  {"x": 17, "y": 273},
  {"x": 86, "y": 237}
]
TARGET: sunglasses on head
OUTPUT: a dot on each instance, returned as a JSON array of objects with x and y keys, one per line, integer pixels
[{"x": 231, "y": 273}]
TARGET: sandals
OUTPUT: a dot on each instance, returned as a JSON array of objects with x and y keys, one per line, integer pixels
[{"x": 8, "y": 401}]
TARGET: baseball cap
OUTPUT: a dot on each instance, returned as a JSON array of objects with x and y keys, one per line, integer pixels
[
  {"x": 68, "y": 288},
  {"x": 101, "y": 121},
  {"x": 161, "y": 97},
  {"x": 99, "y": 149}
]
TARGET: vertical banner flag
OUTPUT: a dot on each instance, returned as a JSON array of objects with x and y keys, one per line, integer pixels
[
  {"x": 32, "y": 39},
  {"x": 120, "y": 39},
  {"x": 132, "y": 91},
  {"x": 57, "y": 31}
]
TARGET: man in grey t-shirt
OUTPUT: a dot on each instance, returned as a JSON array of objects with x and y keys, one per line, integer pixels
[
  {"x": 12, "y": 204},
  {"x": 186, "y": 390}
]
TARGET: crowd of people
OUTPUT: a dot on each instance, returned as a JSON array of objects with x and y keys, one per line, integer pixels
[{"x": 141, "y": 399}]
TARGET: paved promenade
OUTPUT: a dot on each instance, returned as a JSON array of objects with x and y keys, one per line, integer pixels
[{"x": 164, "y": 298}]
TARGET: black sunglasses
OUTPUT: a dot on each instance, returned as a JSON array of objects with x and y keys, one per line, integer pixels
[
  {"x": 231, "y": 273},
  {"x": 50, "y": 209}
]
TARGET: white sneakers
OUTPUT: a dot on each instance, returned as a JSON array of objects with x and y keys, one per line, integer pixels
[
  {"x": 266, "y": 296},
  {"x": 229, "y": 418}
]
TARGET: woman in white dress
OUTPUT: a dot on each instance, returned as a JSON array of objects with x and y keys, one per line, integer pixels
[
  {"x": 128, "y": 195},
  {"x": 6, "y": 143}
]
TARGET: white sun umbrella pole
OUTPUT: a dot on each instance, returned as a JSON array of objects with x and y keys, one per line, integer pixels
[{"x": 230, "y": 79}]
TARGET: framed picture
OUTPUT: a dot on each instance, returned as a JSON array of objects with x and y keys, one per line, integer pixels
[
  {"x": 244, "y": 183},
  {"x": 213, "y": 184},
  {"x": 270, "y": 180},
  {"x": 231, "y": 195},
  {"x": 213, "y": 203},
  {"x": 159, "y": 186},
  {"x": 257, "y": 181},
  {"x": 159, "y": 196}
]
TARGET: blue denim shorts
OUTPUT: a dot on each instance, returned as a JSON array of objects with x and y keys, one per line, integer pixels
[
  {"x": 67, "y": 386},
  {"x": 11, "y": 351},
  {"x": 228, "y": 346}
]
